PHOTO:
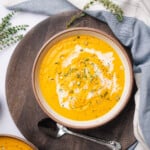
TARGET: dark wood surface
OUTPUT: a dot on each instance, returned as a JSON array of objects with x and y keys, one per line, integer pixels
[{"x": 26, "y": 112}]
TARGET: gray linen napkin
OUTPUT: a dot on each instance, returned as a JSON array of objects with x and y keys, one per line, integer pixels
[{"x": 48, "y": 7}]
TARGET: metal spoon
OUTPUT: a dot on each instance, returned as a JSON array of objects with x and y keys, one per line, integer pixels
[{"x": 53, "y": 129}]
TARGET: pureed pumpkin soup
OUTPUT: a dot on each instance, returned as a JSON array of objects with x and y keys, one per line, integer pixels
[
  {"x": 13, "y": 143},
  {"x": 81, "y": 77}
]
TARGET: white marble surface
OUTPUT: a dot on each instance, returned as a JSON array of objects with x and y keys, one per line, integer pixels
[{"x": 7, "y": 126}]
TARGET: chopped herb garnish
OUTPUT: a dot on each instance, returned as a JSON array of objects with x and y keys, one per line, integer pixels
[
  {"x": 74, "y": 69},
  {"x": 92, "y": 64},
  {"x": 61, "y": 56},
  {"x": 60, "y": 90},
  {"x": 91, "y": 79},
  {"x": 50, "y": 78},
  {"x": 90, "y": 102},
  {"x": 56, "y": 63},
  {"x": 87, "y": 59},
  {"x": 85, "y": 74},
  {"x": 62, "y": 105},
  {"x": 78, "y": 75},
  {"x": 66, "y": 74},
  {"x": 81, "y": 50},
  {"x": 78, "y": 37},
  {"x": 71, "y": 91},
  {"x": 105, "y": 94}
]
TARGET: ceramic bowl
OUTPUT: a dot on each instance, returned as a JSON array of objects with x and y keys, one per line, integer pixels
[
  {"x": 115, "y": 110},
  {"x": 13, "y": 139}
]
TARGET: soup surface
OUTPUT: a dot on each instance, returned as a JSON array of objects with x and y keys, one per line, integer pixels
[
  {"x": 7, "y": 143},
  {"x": 81, "y": 77}
]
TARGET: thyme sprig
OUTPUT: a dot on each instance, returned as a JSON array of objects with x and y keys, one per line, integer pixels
[
  {"x": 74, "y": 18},
  {"x": 108, "y": 4},
  {"x": 114, "y": 8},
  {"x": 6, "y": 21},
  {"x": 8, "y": 33}
]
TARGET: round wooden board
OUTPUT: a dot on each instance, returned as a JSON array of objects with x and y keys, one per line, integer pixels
[{"x": 26, "y": 112}]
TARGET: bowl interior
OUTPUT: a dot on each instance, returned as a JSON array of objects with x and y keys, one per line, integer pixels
[
  {"x": 115, "y": 110},
  {"x": 11, "y": 139}
]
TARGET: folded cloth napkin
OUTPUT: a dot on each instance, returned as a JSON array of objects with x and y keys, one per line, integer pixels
[{"x": 133, "y": 32}]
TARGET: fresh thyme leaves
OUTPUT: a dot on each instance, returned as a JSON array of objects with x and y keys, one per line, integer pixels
[
  {"x": 5, "y": 21},
  {"x": 87, "y": 6},
  {"x": 8, "y": 33},
  {"x": 10, "y": 40},
  {"x": 113, "y": 8},
  {"x": 74, "y": 18},
  {"x": 108, "y": 4},
  {"x": 11, "y": 30}
]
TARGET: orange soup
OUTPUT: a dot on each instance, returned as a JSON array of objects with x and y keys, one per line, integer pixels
[
  {"x": 81, "y": 77},
  {"x": 8, "y": 143}
]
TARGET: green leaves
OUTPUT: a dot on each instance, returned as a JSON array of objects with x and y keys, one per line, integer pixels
[
  {"x": 5, "y": 21},
  {"x": 74, "y": 18},
  {"x": 8, "y": 33},
  {"x": 109, "y": 5},
  {"x": 114, "y": 9}
]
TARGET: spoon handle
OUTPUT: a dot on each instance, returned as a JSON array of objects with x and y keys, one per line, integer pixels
[{"x": 114, "y": 145}]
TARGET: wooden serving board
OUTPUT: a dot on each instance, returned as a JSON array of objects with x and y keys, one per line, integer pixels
[{"x": 26, "y": 112}]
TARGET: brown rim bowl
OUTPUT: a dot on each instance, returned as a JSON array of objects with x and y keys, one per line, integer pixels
[{"x": 115, "y": 110}]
